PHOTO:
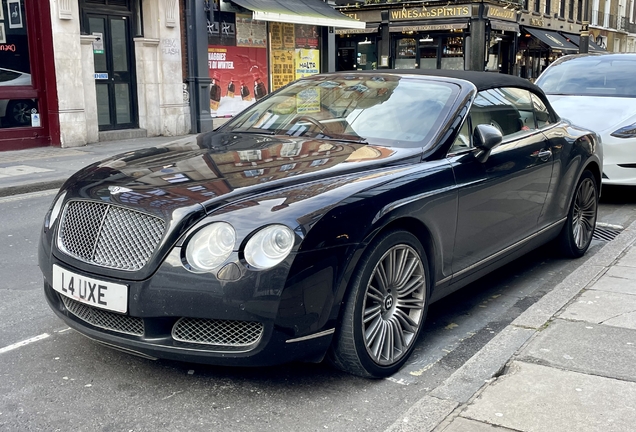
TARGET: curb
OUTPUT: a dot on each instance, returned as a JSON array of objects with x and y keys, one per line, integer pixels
[
  {"x": 451, "y": 397},
  {"x": 31, "y": 187}
]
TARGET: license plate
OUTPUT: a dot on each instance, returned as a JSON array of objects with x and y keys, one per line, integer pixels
[{"x": 93, "y": 292}]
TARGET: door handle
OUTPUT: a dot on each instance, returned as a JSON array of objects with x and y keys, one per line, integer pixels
[{"x": 544, "y": 155}]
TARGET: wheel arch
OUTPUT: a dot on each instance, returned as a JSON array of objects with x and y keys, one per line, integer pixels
[{"x": 406, "y": 223}]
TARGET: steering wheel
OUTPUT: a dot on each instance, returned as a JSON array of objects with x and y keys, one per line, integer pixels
[{"x": 313, "y": 121}]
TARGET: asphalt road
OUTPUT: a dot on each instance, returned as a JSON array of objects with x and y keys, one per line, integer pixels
[{"x": 52, "y": 378}]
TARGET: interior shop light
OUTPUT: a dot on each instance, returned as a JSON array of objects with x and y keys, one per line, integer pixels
[{"x": 426, "y": 39}]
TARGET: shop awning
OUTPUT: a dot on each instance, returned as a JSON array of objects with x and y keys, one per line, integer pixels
[
  {"x": 576, "y": 40},
  {"x": 553, "y": 40},
  {"x": 314, "y": 12},
  {"x": 504, "y": 26}
]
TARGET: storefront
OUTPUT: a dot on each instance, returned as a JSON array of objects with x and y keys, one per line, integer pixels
[
  {"x": 27, "y": 82},
  {"x": 538, "y": 48},
  {"x": 255, "y": 47},
  {"x": 472, "y": 36}
]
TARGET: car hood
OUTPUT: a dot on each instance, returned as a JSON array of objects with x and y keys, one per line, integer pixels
[
  {"x": 213, "y": 170},
  {"x": 600, "y": 114}
]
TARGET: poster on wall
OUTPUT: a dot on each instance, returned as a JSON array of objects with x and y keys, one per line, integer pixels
[
  {"x": 307, "y": 62},
  {"x": 222, "y": 28},
  {"x": 239, "y": 78},
  {"x": 306, "y": 36},
  {"x": 15, "y": 14},
  {"x": 289, "y": 36},
  {"x": 250, "y": 33},
  {"x": 283, "y": 71}
]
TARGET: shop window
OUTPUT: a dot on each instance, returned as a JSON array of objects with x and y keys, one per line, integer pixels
[
  {"x": 16, "y": 104},
  {"x": 406, "y": 56},
  {"x": 453, "y": 53}
]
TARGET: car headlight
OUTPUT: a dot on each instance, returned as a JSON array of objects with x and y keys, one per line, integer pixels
[
  {"x": 269, "y": 246},
  {"x": 625, "y": 132},
  {"x": 210, "y": 246},
  {"x": 57, "y": 207}
]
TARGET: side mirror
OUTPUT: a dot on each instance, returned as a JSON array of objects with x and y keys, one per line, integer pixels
[{"x": 485, "y": 138}]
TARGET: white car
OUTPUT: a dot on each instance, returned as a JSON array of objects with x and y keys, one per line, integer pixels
[
  {"x": 598, "y": 91},
  {"x": 15, "y": 112}
]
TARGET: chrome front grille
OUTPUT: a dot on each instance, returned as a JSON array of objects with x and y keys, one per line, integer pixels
[
  {"x": 217, "y": 332},
  {"x": 109, "y": 236},
  {"x": 104, "y": 319}
]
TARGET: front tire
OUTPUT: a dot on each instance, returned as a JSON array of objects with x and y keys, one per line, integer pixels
[
  {"x": 385, "y": 307},
  {"x": 576, "y": 235}
]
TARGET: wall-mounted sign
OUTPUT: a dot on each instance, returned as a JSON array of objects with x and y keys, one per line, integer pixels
[
  {"x": 101, "y": 76},
  {"x": 428, "y": 13},
  {"x": 430, "y": 27},
  {"x": 98, "y": 43}
]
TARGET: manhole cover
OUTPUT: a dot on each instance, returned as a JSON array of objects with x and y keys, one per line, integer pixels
[{"x": 606, "y": 232}]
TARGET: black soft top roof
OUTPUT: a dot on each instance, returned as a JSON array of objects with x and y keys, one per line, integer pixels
[{"x": 481, "y": 80}]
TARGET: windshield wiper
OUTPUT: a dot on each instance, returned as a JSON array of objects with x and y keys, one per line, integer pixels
[
  {"x": 253, "y": 130},
  {"x": 360, "y": 140}
]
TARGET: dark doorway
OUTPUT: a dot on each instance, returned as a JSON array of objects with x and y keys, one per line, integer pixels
[{"x": 114, "y": 70}]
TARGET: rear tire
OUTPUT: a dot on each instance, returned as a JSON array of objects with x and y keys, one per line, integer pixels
[
  {"x": 385, "y": 307},
  {"x": 576, "y": 235}
]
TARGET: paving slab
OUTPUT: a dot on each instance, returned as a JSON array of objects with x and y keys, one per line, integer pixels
[
  {"x": 617, "y": 279},
  {"x": 469, "y": 378},
  {"x": 584, "y": 347},
  {"x": 629, "y": 259},
  {"x": 535, "y": 398},
  {"x": 424, "y": 415},
  {"x": 540, "y": 312},
  {"x": 610, "y": 308}
]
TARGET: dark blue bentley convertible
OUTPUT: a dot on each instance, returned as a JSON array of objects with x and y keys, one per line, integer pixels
[{"x": 321, "y": 222}]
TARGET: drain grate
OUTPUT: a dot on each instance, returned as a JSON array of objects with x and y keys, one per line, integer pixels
[{"x": 606, "y": 232}]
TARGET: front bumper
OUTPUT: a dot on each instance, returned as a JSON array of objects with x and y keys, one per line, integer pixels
[
  {"x": 619, "y": 161},
  {"x": 157, "y": 336}
]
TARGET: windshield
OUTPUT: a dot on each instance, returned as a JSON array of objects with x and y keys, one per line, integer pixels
[
  {"x": 593, "y": 75},
  {"x": 383, "y": 109}
]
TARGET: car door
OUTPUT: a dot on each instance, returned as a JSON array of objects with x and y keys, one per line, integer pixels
[{"x": 500, "y": 199}]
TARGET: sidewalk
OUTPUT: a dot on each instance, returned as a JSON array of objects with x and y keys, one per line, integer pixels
[
  {"x": 568, "y": 363},
  {"x": 43, "y": 168}
]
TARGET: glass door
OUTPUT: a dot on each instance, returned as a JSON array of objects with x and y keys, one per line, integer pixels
[{"x": 114, "y": 77}]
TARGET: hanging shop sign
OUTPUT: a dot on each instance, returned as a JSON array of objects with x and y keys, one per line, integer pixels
[{"x": 501, "y": 13}]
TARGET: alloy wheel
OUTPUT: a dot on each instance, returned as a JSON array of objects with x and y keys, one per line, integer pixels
[
  {"x": 584, "y": 213},
  {"x": 393, "y": 304}
]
